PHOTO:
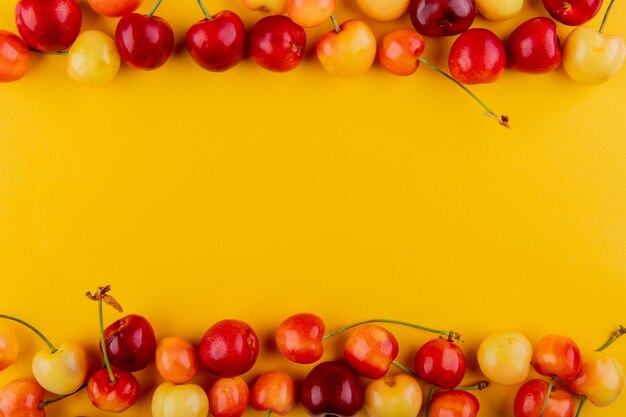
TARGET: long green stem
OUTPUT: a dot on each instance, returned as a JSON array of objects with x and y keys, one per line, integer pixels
[
  {"x": 154, "y": 8},
  {"x": 103, "y": 345},
  {"x": 545, "y": 402},
  {"x": 205, "y": 11},
  {"x": 583, "y": 399},
  {"x": 606, "y": 15},
  {"x": 449, "y": 334},
  {"x": 476, "y": 387},
  {"x": 404, "y": 368},
  {"x": 52, "y": 401},
  {"x": 503, "y": 120},
  {"x": 30, "y": 326},
  {"x": 614, "y": 336},
  {"x": 429, "y": 399},
  {"x": 335, "y": 24}
]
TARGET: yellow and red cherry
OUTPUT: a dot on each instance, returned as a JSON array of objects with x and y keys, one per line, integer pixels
[
  {"x": 477, "y": 56},
  {"x": 530, "y": 400},
  {"x": 310, "y": 13},
  {"x": 114, "y": 8},
  {"x": 504, "y": 358},
  {"x": 270, "y": 6},
  {"x": 442, "y": 17},
  {"x": 9, "y": 347},
  {"x": 144, "y": 41},
  {"x": 186, "y": 400},
  {"x": 400, "y": 50},
  {"x": 274, "y": 391},
  {"x": 176, "y": 360},
  {"x": 534, "y": 46},
  {"x": 14, "y": 63},
  {"x": 370, "y": 349},
  {"x": 572, "y": 12},
  {"x": 499, "y": 10},
  {"x": 393, "y": 396},
  {"x": 556, "y": 355},
  {"x": 229, "y": 348},
  {"x": 440, "y": 362},
  {"x": 21, "y": 398},
  {"x": 113, "y": 395},
  {"x": 217, "y": 43},
  {"x": 229, "y": 397},
  {"x": 348, "y": 51},
  {"x": 601, "y": 379},
  {"x": 383, "y": 10},
  {"x": 299, "y": 338},
  {"x": 276, "y": 43},
  {"x": 48, "y": 25},
  {"x": 93, "y": 58},
  {"x": 454, "y": 403},
  {"x": 332, "y": 388}
]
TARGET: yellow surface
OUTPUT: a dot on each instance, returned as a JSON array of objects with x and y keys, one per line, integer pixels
[{"x": 255, "y": 195}]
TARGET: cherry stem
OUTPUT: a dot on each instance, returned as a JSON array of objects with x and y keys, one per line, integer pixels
[
  {"x": 430, "y": 398},
  {"x": 451, "y": 335},
  {"x": 502, "y": 120},
  {"x": 606, "y": 15},
  {"x": 404, "y": 368},
  {"x": 477, "y": 387},
  {"x": 154, "y": 8},
  {"x": 103, "y": 345},
  {"x": 583, "y": 399},
  {"x": 545, "y": 402},
  {"x": 30, "y": 326},
  {"x": 614, "y": 336},
  {"x": 52, "y": 401},
  {"x": 205, "y": 11},
  {"x": 49, "y": 53},
  {"x": 269, "y": 413},
  {"x": 335, "y": 24}
]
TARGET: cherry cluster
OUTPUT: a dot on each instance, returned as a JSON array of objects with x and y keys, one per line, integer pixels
[
  {"x": 277, "y": 42},
  {"x": 230, "y": 348}
]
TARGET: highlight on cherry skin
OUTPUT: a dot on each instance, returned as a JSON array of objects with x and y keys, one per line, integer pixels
[
  {"x": 14, "y": 62},
  {"x": 299, "y": 338},
  {"x": 229, "y": 348},
  {"x": 370, "y": 349},
  {"x": 21, "y": 398}
]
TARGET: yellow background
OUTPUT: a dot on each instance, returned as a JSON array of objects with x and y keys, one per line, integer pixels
[{"x": 255, "y": 195}]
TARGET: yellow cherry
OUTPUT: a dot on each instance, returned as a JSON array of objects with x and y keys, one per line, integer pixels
[{"x": 93, "y": 58}]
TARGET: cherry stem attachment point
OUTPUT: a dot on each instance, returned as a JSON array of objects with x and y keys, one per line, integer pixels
[
  {"x": 502, "y": 120},
  {"x": 451, "y": 335},
  {"x": 30, "y": 326},
  {"x": 606, "y": 15},
  {"x": 429, "y": 399},
  {"x": 205, "y": 11},
  {"x": 614, "y": 336},
  {"x": 52, "y": 401},
  {"x": 404, "y": 368},
  {"x": 154, "y": 8},
  {"x": 335, "y": 24},
  {"x": 545, "y": 402},
  {"x": 583, "y": 399},
  {"x": 476, "y": 387}
]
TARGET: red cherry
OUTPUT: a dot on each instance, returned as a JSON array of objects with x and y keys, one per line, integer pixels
[
  {"x": 21, "y": 398},
  {"x": 370, "y": 349},
  {"x": 274, "y": 391},
  {"x": 454, "y": 403},
  {"x": 130, "y": 343},
  {"x": 115, "y": 397},
  {"x": 556, "y": 355},
  {"x": 144, "y": 42},
  {"x": 531, "y": 396},
  {"x": 477, "y": 56},
  {"x": 572, "y": 12},
  {"x": 534, "y": 46},
  {"x": 229, "y": 348},
  {"x": 277, "y": 43},
  {"x": 48, "y": 25},
  {"x": 14, "y": 62},
  {"x": 332, "y": 388},
  {"x": 440, "y": 362},
  {"x": 229, "y": 397},
  {"x": 217, "y": 44},
  {"x": 299, "y": 338},
  {"x": 400, "y": 50},
  {"x": 442, "y": 17}
]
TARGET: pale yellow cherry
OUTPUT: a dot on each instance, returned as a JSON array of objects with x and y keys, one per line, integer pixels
[
  {"x": 504, "y": 358},
  {"x": 93, "y": 58},
  {"x": 63, "y": 371},
  {"x": 271, "y": 6},
  {"x": 499, "y": 9},
  {"x": 383, "y": 10},
  {"x": 393, "y": 396}
]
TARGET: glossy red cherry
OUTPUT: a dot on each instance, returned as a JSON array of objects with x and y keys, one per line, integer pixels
[
  {"x": 275, "y": 392},
  {"x": 229, "y": 348},
  {"x": 556, "y": 355},
  {"x": 454, "y": 403},
  {"x": 144, "y": 42},
  {"x": 531, "y": 396},
  {"x": 113, "y": 397},
  {"x": 48, "y": 25},
  {"x": 442, "y": 17},
  {"x": 21, "y": 398},
  {"x": 440, "y": 362},
  {"x": 299, "y": 338},
  {"x": 572, "y": 12},
  {"x": 14, "y": 62},
  {"x": 229, "y": 397},
  {"x": 370, "y": 349},
  {"x": 534, "y": 46},
  {"x": 219, "y": 43},
  {"x": 477, "y": 56},
  {"x": 277, "y": 43},
  {"x": 130, "y": 343},
  {"x": 332, "y": 388}
]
